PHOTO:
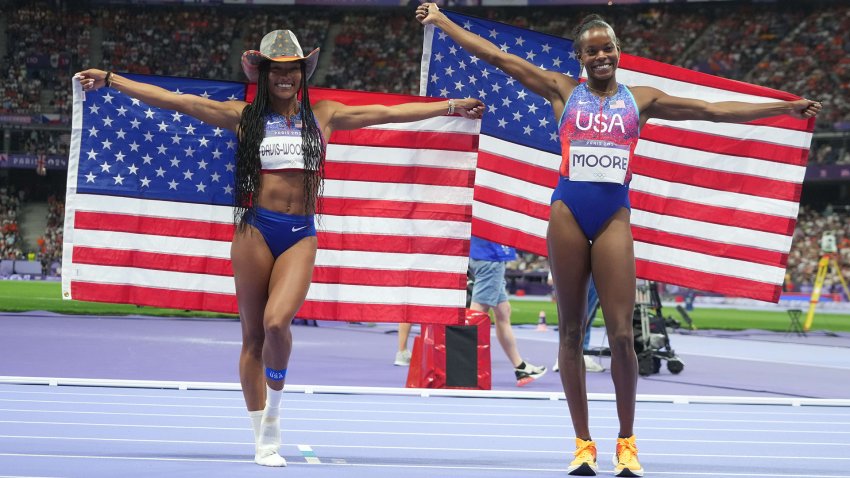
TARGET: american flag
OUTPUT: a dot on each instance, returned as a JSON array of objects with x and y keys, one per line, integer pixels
[
  {"x": 713, "y": 204},
  {"x": 149, "y": 221}
]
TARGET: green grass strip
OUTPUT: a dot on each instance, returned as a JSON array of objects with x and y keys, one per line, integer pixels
[{"x": 21, "y": 296}]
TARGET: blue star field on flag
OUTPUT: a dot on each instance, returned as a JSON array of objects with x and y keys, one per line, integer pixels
[
  {"x": 131, "y": 149},
  {"x": 514, "y": 113}
]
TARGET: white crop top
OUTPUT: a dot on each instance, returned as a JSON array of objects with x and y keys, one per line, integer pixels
[{"x": 281, "y": 148}]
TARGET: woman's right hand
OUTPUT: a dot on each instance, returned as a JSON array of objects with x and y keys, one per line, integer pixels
[
  {"x": 91, "y": 79},
  {"x": 470, "y": 108},
  {"x": 427, "y": 13}
]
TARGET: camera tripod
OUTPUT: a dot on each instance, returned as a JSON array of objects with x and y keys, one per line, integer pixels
[{"x": 826, "y": 262}]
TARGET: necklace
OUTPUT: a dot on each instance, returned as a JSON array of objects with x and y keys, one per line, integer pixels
[{"x": 601, "y": 92}]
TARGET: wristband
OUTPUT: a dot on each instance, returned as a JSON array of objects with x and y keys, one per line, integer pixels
[
  {"x": 451, "y": 107},
  {"x": 108, "y": 79}
]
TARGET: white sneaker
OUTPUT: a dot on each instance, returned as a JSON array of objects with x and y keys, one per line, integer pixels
[
  {"x": 592, "y": 365},
  {"x": 528, "y": 374},
  {"x": 402, "y": 358}
]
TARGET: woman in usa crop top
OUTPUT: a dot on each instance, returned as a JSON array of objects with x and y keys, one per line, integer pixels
[
  {"x": 278, "y": 175},
  {"x": 589, "y": 219}
]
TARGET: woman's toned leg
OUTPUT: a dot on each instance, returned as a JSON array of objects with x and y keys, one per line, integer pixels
[
  {"x": 252, "y": 267},
  {"x": 569, "y": 260},
  {"x": 288, "y": 286},
  {"x": 613, "y": 264}
]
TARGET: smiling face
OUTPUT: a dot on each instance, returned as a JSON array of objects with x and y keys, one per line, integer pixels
[
  {"x": 599, "y": 53},
  {"x": 284, "y": 79}
]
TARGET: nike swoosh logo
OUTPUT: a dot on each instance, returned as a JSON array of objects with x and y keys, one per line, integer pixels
[
  {"x": 296, "y": 229},
  {"x": 274, "y": 122},
  {"x": 583, "y": 102}
]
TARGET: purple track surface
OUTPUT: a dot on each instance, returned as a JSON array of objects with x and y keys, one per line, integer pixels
[
  {"x": 71, "y": 431},
  {"x": 749, "y": 363},
  {"x": 104, "y": 432}
]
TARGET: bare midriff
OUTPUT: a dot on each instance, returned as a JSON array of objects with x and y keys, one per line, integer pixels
[{"x": 283, "y": 191}]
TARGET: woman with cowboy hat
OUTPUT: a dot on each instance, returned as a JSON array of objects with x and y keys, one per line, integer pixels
[
  {"x": 279, "y": 172},
  {"x": 589, "y": 220}
]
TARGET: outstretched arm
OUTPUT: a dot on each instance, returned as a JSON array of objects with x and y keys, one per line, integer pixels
[
  {"x": 664, "y": 106},
  {"x": 338, "y": 116},
  {"x": 553, "y": 86},
  {"x": 224, "y": 114}
]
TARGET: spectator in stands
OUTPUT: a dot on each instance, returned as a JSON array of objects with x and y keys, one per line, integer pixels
[
  {"x": 274, "y": 246},
  {"x": 806, "y": 247},
  {"x": 10, "y": 237}
]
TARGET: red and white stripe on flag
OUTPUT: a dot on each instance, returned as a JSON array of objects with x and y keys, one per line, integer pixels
[
  {"x": 714, "y": 205},
  {"x": 393, "y": 230}
]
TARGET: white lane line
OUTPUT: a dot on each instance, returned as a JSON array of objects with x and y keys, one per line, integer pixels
[
  {"x": 299, "y": 397},
  {"x": 525, "y": 424},
  {"x": 425, "y": 393},
  {"x": 414, "y": 412},
  {"x": 425, "y": 449},
  {"x": 416, "y": 434},
  {"x": 26, "y": 476},
  {"x": 558, "y": 470}
]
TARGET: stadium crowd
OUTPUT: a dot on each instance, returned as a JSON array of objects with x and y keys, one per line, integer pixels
[
  {"x": 380, "y": 50},
  {"x": 50, "y": 244},
  {"x": 178, "y": 42},
  {"x": 806, "y": 248},
  {"x": 10, "y": 235}
]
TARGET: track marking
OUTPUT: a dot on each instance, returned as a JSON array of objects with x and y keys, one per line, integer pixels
[
  {"x": 449, "y": 423},
  {"x": 299, "y": 397},
  {"x": 558, "y": 470},
  {"x": 413, "y": 412},
  {"x": 309, "y": 455},
  {"x": 418, "y": 434},
  {"x": 421, "y": 448},
  {"x": 26, "y": 476}
]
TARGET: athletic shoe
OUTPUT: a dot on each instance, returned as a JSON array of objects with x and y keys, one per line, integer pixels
[
  {"x": 589, "y": 364},
  {"x": 584, "y": 463},
  {"x": 528, "y": 374},
  {"x": 402, "y": 358},
  {"x": 592, "y": 365},
  {"x": 626, "y": 459}
]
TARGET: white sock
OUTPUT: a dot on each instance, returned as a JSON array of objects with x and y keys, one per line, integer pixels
[
  {"x": 268, "y": 441},
  {"x": 273, "y": 400},
  {"x": 256, "y": 420}
]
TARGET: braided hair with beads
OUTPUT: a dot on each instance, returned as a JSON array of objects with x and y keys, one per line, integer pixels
[{"x": 252, "y": 129}]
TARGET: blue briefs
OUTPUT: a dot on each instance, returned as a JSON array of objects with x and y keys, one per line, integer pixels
[
  {"x": 281, "y": 231},
  {"x": 591, "y": 203}
]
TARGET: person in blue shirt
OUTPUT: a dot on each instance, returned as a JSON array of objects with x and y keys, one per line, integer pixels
[{"x": 487, "y": 264}]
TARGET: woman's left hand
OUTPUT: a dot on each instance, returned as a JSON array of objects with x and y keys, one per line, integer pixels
[
  {"x": 470, "y": 108},
  {"x": 91, "y": 79},
  {"x": 805, "y": 109}
]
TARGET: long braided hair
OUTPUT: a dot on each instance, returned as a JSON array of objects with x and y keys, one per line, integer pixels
[{"x": 252, "y": 129}]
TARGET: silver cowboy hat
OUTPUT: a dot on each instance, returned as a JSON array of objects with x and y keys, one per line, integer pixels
[{"x": 279, "y": 45}]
